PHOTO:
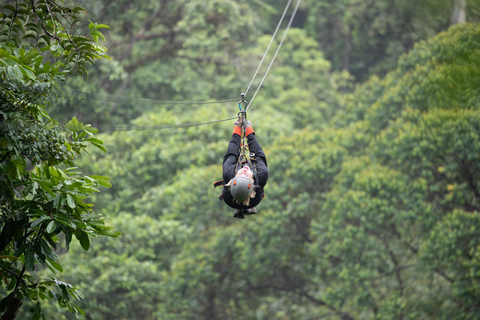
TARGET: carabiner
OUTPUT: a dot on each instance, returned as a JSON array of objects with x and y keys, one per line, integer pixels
[{"x": 242, "y": 95}]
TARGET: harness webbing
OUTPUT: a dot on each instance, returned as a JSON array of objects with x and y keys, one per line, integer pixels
[
  {"x": 245, "y": 155},
  {"x": 244, "y": 150}
]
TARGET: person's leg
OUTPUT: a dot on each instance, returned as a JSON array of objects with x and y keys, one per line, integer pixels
[
  {"x": 250, "y": 211},
  {"x": 238, "y": 213}
]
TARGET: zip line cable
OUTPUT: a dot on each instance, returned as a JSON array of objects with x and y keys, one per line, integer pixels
[
  {"x": 152, "y": 101},
  {"x": 179, "y": 102},
  {"x": 268, "y": 48},
  {"x": 151, "y": 127},
  {"x": 173, "y": 126},
  {"x": 276, "y": 52}
]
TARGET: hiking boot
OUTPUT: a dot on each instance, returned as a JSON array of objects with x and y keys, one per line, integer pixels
[
  {"x": 250, "y": 211},
  {"x": 238, "y": 214}
]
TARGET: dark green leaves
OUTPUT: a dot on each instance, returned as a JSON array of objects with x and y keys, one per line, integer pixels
[
  {"x": 42, "y": 195},
  {"x": 51, "y": 227},
  {"x": 102, "y": 180},
  {"x": 30, "y": 258},
  {"x": 84, "y": 240}
]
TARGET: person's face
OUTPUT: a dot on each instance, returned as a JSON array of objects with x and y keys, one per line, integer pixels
[{"x": 245, "y": 171}]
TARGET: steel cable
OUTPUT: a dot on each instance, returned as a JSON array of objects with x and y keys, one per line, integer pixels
[
  {"x": 268, "y": 47},
  {"x": 160, "y": 127},
  {"x": 276, "y": 52},
  {"x": 115, "y": 99},
  {"x": 151, "y": 101}
]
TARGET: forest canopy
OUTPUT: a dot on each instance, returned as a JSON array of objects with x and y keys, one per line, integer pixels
[{"x": 369, "y": 119}]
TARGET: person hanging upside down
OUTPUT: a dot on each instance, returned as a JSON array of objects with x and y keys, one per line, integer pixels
[{"x": 243, "y": 185}]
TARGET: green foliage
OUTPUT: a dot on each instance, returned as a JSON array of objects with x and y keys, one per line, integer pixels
[
  {"x": 368, "y": 37},
  {"x": 388, "y": 207},
  {"x": 371, "y": 208},
  {"x": 46, "y": 27},
  {"x": 43, "y": 194},
  {"x": 155, "y": 42},
  {"x": 134, "y": 268},
  {"x": 303, "y": 81}
]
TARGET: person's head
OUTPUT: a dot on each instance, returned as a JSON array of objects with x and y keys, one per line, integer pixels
[{"x": 242, "y": 186}]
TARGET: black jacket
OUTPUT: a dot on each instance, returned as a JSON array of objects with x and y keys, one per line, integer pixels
[{"x": 230, "y": 161}]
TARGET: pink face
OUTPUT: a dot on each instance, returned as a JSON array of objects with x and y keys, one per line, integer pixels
[{"x": 245, "y": 171}]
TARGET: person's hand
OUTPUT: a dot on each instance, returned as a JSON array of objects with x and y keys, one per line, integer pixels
[
  {"x": 248, "y": 127},
  {"x": 238, "y": 123},
  {"x": 237, "y": 127}
]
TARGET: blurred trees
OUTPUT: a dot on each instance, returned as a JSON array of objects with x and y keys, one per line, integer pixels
[
  {"x": 368, "y": 37},
  {"x": 156, "y": 41}
]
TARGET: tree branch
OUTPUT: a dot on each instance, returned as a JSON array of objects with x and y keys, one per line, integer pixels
[
  {"x": 301, "y": 293},
  {"x": 13, "y": 20},
  {"x": 12, "y": 309},
  {"x": 42, "y": 24},
  {"x": 14, "y": 303},
  {"x": 5, "y": 156}
]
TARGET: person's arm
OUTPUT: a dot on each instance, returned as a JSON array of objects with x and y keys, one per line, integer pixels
[{"x": 256, "y": 148}]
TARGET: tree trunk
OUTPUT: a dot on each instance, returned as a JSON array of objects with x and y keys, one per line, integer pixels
[
  {"x": 348, "y": 49},
  {"x": 12, "y": 309},
  {"x": 459, "y": 14},
  {"x": 209, "y": 311}
]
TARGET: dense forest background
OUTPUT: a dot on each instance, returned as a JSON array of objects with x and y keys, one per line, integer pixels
[{"x": 369, "y": 119}]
